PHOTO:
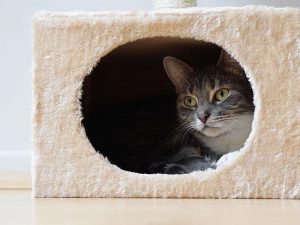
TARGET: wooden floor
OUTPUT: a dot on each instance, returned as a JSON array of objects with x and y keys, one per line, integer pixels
[{"x": 17, "y": 207}]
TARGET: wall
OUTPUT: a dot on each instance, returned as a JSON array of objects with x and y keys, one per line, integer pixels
[{"x": 15, "y": 61}]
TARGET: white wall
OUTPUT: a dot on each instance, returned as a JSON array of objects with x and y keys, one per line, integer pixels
[{"x": 15, "y": 61}]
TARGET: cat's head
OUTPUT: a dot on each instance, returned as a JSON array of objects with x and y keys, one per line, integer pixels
[{"x": 212, "y": 100}]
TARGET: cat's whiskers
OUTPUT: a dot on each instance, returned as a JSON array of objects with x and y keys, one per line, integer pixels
[
  {"x": 218, "y": 119},
  {"x": 240, "y": 109},
  {"x": 187, "y": 133},
  {"x": 232, "y": 119},
  {"x": 181, "y": 132},
  {"x": 223, "y": 116},
  {"x": 236, "y": 123}
]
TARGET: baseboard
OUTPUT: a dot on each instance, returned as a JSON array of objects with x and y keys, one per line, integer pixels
[
  {"x": 15, "y": 169},
  {"x": 12, "y": 161},
  {"x": 15, "y": 181}
]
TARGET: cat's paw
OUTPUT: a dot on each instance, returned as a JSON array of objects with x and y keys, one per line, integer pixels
[
  {"x": 227, "y": 158},
  {"x": 175, "y": 169}
]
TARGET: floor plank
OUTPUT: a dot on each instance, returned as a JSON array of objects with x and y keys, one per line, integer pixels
[{"x": 17, "y": 207}]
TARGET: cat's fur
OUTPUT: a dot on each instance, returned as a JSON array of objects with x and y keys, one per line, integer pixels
[{"x": 151, "y": 136}]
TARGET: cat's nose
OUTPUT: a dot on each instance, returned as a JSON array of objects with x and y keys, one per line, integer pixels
[{"x": 204, "y": 117}]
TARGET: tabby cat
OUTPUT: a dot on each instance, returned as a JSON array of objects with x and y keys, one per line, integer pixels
[{"x": 210, "y": 115}]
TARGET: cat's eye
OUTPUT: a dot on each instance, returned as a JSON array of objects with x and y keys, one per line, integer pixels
[
  {"x": 221, "y": 94},
  {"x": 190, "y": 101}
]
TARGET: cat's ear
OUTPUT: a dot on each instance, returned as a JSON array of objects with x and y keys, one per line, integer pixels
[
  {"x": 177, "y": 71},
  {"x": 228, "y": 63}
]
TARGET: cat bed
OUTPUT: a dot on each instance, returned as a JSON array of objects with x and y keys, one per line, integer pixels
[{"x": 67, "y": 48}]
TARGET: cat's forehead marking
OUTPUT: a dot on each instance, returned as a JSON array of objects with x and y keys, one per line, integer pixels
[
  {"x": 202, "y": 87},
  {"x": 211, "y": 95}
]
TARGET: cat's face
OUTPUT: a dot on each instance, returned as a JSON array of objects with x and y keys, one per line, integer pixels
[{"x": 213, "y": 100}]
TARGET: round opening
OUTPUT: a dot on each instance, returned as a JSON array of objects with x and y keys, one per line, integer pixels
[{"x": 137, "y": 112}]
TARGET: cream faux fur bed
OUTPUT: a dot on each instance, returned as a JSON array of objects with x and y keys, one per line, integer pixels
[{"x": 266, "y": 41}]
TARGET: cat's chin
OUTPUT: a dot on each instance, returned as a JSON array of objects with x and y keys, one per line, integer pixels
[
  {"x": 207, "y": 130},
  {"x": 211, "y": 131}
]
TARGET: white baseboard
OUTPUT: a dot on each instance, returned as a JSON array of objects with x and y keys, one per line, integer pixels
[
  {"x": 15, "y": 161},
  {"x": 13, "y": 181}
]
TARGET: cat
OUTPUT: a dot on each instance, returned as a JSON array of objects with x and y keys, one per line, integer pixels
[
  {"x": 215, "y": 105},
  {"x": 210, "y": 115}
]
